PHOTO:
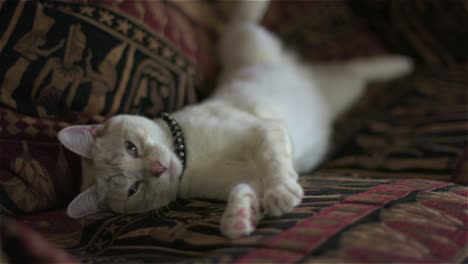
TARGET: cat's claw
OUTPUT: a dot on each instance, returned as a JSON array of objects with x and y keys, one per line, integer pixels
[
  {"x": 282, "y": 198},
  {"x": 241, "y": 215}
]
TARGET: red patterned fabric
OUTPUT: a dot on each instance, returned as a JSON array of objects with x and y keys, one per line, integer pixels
[
  {"x": 417, "y": 130},
  {"x": 461, "y": 171},
  {"x": 386, "y": 194},
  {"x": 313, "y": 232},
  {"x": 420, "y": 28},
  {"x": 36, "y": 173},
  {"x": 342, "y": 219},
  {"x": 109, "y": 57},
  {"x": 68, "y": 63},
  {"x": 24, "y": 245},
  {"x": 181, "y": 23},
  {"x": 322, "y": 29}
]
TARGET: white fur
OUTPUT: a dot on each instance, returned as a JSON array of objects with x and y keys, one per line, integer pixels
[{"x": 269, "y": 120}]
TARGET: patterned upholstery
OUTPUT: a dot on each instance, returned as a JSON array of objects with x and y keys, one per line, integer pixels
[
  {"x": 389, "y": 191},
  {"x": 75, "y": 63},
  {"x": 77, "y": 57},
  {"x": 117, "y": 57},
  {"x": 420, "y": 28},
  {"x": 418, "y": 130},
  {"x": 342, "y": 219}
]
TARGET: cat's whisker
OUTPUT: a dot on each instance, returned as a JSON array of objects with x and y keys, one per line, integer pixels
[{"x": 116, "y": 169}]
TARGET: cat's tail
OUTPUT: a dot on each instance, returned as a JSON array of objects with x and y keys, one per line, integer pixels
[
  {"x": 383, "y": 68},
  {"x": 343, "y": 83}
]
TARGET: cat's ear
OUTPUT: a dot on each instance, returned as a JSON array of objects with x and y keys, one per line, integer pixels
[
  {"x": 80, "y": 139},
  {"x": 84, "y": 204}
]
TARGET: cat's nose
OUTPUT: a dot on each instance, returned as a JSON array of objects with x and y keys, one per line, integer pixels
[{"x": 157, "y": 169}]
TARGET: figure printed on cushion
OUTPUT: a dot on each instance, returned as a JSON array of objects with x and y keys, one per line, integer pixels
[
  {"x": 32, "y": 188},
  {"x": 269, "y": 120},
  {"x": 153, "y": 82},
  {"x": 66, "y": 75},
  {"x": 29, "y": 48},
  {"x": 104, "y": 80}
]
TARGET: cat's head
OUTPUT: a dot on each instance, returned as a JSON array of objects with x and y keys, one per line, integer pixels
[{"x": 132, "y": 161}]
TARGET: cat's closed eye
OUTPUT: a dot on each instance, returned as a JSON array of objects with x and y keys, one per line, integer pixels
[
  {"x": 134, "y": 188},
  {"x": 131, "y": 149}
]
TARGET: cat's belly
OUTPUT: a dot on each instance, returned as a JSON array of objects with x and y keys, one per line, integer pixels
[
  {"x": 217, "y": 182},
  {"x": 289, "y": 96},
  {"x": 219, "y": 149}
]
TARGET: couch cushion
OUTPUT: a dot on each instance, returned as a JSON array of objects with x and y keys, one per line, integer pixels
[
  {"x": 36, "y": 172},
  {"x": 62, "y": 62},
  {"x": 58, "y": 57},
  {"x": 415, "y": 127},
  {"x": 421, "y": 29},
  {"x": 341, "y": 219},
  {"x": 68, "y": 63},
  {"x": 322, "y": 29}
]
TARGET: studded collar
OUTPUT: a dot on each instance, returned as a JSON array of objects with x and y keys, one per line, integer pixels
[{"x": 177, "y": 137}]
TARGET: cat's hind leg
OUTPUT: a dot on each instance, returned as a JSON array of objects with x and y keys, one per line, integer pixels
[
  {"x": 242, "y": 212},
  {"x": 245, "y": 42}
]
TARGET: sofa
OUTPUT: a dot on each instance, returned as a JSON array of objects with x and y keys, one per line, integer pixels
[{"x": 392, "y": 189}]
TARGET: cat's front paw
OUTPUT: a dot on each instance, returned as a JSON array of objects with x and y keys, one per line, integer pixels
[
  {"x": 282, "y": 198},
  {"x": 241, "y": 214}
]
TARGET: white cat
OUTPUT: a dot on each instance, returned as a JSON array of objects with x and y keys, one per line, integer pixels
[{"x": 269, "y": 120}]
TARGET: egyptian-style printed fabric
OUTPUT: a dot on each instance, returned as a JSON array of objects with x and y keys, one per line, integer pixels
[
  {"x": 384, "y": 195},
  {"x": 409, "y": 221},
  {"x": 21, "y": 244},
  {"x": 37, "y": 173},
  {"x": 69, "y": 63},
  {"x": 417, "y": 127},
  {"x": 429, "y": 227},
  {"x": 430, "y": 31},
  {"x": 342, "y": 219},
  {"x": 184, "y": 228},
  {"x": 61, "y": 57}
]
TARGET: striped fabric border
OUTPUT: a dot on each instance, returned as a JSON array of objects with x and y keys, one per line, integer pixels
[{"x": 300, "y": 240}]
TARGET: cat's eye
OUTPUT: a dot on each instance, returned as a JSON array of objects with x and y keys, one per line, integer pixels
[
  {"x": 131, "y": 149},
  {"x": 134, "y": 188}
]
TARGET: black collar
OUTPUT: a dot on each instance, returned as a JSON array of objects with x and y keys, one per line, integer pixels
[{"x": 177, "y": 136}]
